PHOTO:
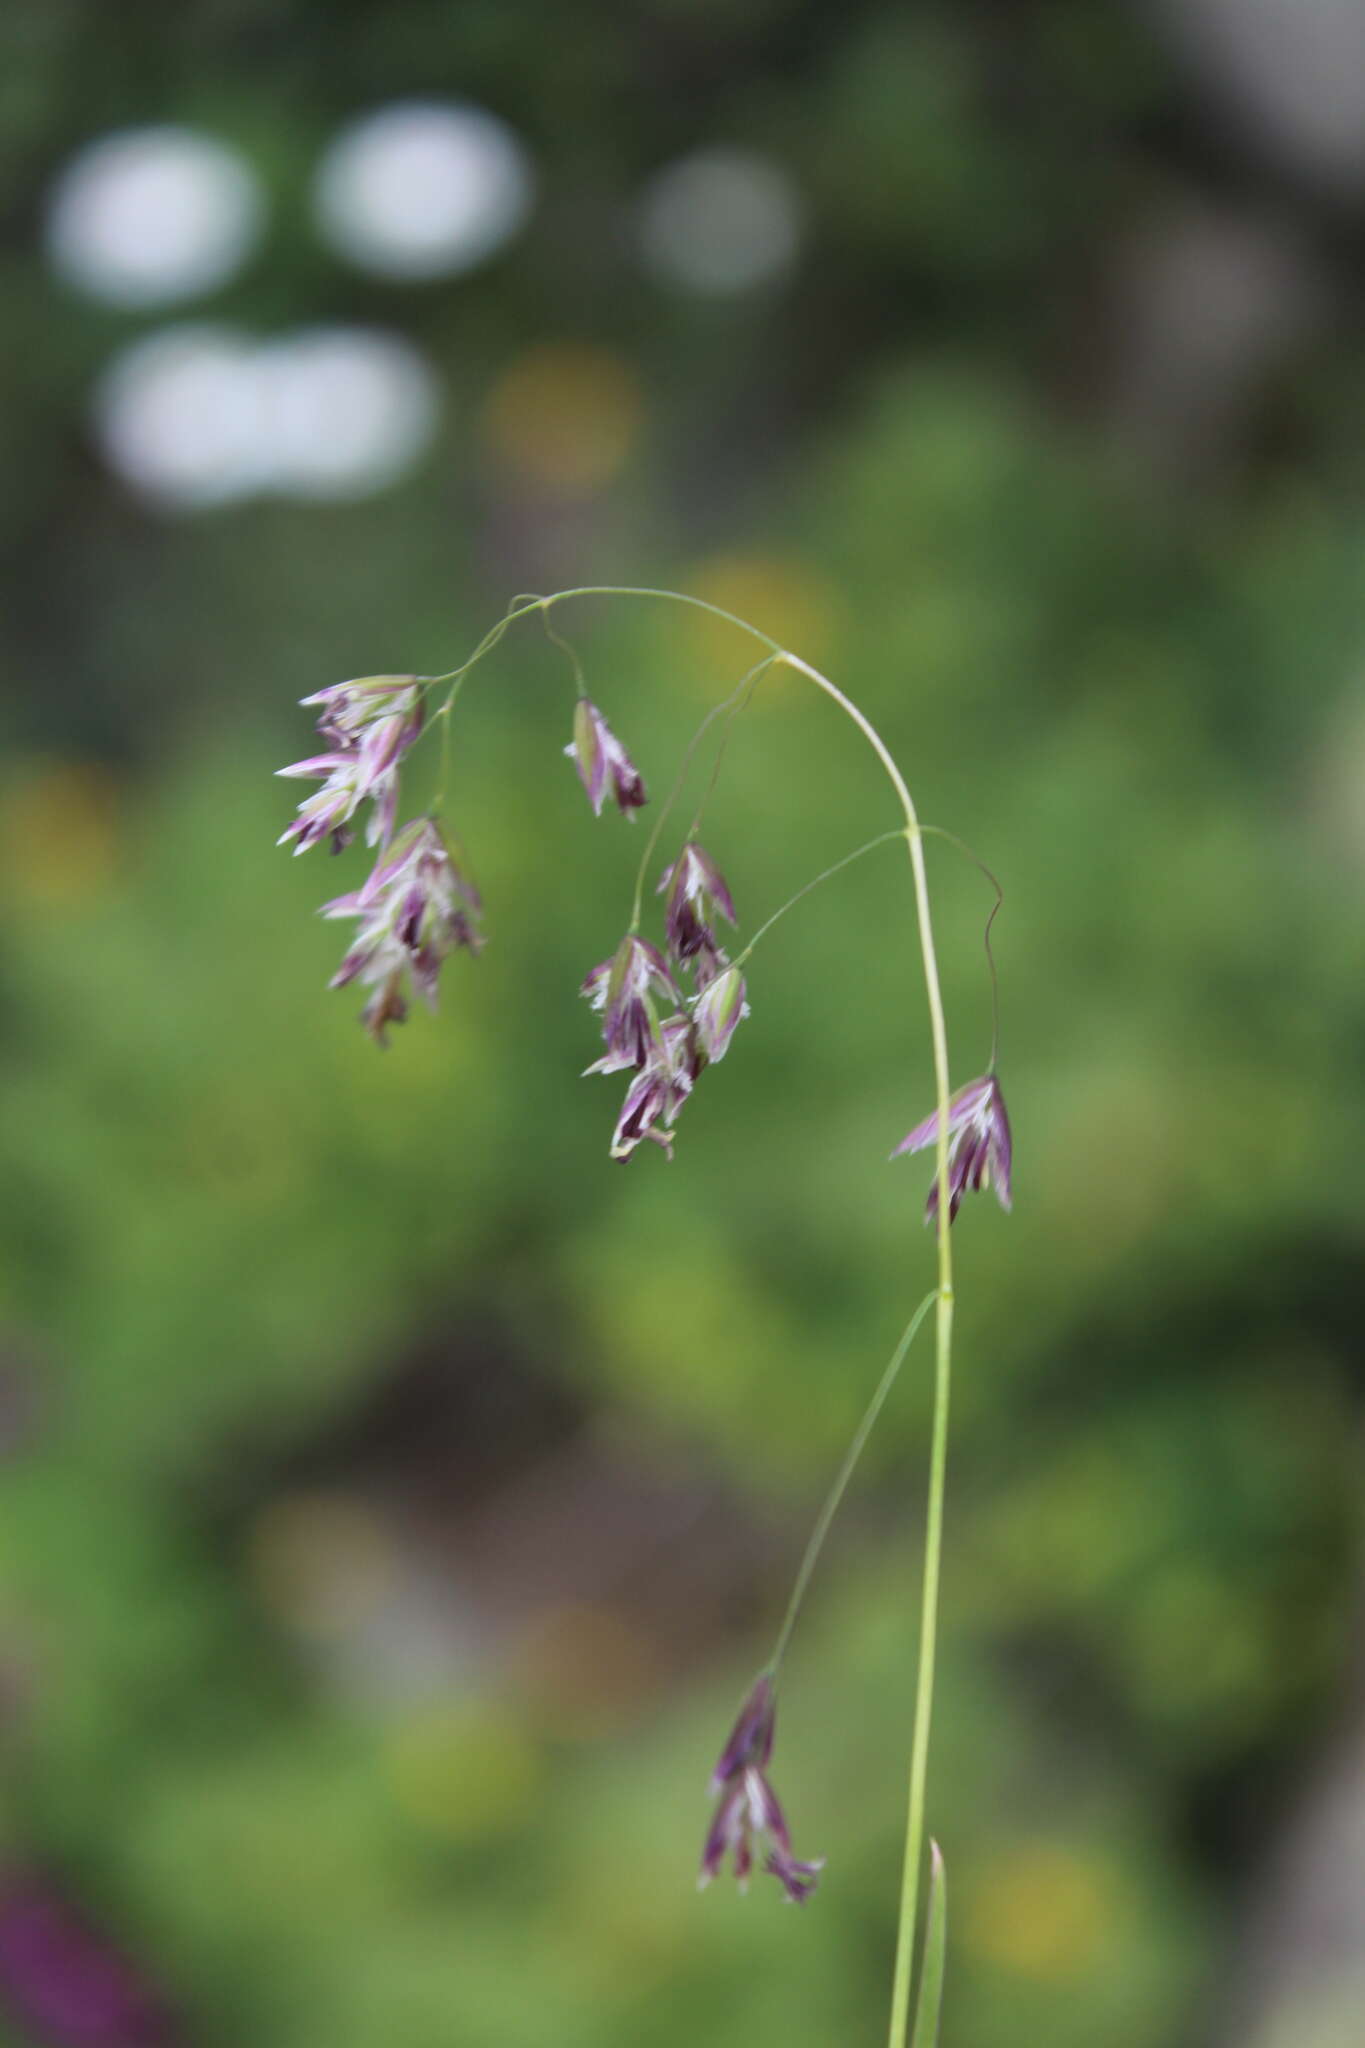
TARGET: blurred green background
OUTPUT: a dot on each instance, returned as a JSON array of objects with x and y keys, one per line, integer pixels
[{"x": 398, "y": 1496}]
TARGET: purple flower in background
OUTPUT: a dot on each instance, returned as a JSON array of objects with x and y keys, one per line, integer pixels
[
  {"x": 625, "y": 989},
  {"x": 414, "y": 910},
  {"x": 369, "y": 726},
  {"x": 601, "y": 760},
  {"x": 979, "y": 1149},
  {"x": 749, "y": 1807},
  {"x": 64, "y": 1982},
  {"x": 697, "y": 890},
  {"x": 717, "y": 1010}
]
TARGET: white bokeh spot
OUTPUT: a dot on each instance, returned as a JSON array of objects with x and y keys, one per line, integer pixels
[
  {"x": 349, "y": 410},
  {"x": 146, "y": 216},
  {"x": 423, "y": 188},
  {"x": 197, "y": 416},
  {"x": 178, "y": 416},
  {"x": 720, "y": 222}
]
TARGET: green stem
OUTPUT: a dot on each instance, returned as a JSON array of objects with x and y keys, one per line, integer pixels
[
  {"x": 437, "y": 803},
  {"x": 924, "y": 1690},
  {"x": 521, "y": 609},
  {"x": 836, "y": 1493},
  {"x": 827, "y": 874},
  {"x": 940, "y": 832},
  {"x": 733, "y": 705},
  {"x": 662, "y": 815},
  {"x": 560, "y": 642}
]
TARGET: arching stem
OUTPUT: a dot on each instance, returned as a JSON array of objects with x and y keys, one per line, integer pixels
[
  {"x": 943, "y": 1296},
  {"x": 943, "y": 1371}
]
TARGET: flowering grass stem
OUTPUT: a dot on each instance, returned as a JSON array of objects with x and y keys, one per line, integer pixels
[{"x": 942, "y": 1297}]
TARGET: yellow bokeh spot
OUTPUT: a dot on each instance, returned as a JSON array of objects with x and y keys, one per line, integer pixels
[
  {"x": 564, "y": 416},
  {"x": 323, "y": 1562},
  {"x": 785, "y": 598},
  {"x": 467, "y": 1773},
  {"x": 584, "y": 1670},
  {"x": 58, "y": 833},
  {"x": 1042, "y": 1911}
]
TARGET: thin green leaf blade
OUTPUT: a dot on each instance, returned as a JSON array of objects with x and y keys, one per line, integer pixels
[{"x": 935, "y": 1950}]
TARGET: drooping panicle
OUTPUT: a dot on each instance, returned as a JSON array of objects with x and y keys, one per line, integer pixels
[
  {"x": 697, "y": 893},
  {"x": 603, "y": 763},
  {"x": 415, "y": 909},
  {"x": 979, "y": 1146},
  {"x": 368, "y": 725},
  {"x": 749, "y": 1808}
]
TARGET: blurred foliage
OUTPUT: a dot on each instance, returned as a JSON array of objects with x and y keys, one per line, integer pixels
[{"x": 274, "y": 1715}]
